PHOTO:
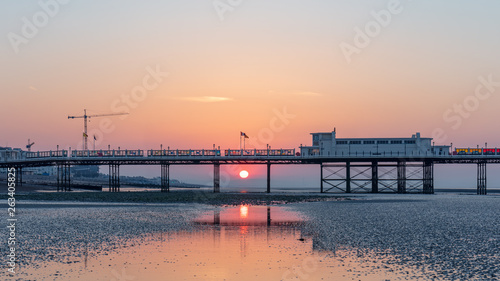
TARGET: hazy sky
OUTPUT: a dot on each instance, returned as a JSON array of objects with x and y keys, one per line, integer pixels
[{"x": 196, "y": 73}]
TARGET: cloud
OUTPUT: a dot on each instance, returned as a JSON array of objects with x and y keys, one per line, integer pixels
[
  {"x": 205, "y": 99},
  {"x": 32, "y": 88}
]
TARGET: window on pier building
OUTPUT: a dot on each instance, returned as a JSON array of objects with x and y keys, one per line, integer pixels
[
  {"x": 369, "y": 142},
  {"x": 383, "y": 142},
  {"x": 315, "y": 140},
  {"x": 313, "y": 151},
  {"x": 410, "y": 142},
  {"x": 341, "y": 142},
  {"x": 396, "y": 142},
  {"x": 355, "y": 142}
]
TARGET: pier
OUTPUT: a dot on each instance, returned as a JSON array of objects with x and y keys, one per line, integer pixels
[
  {"x": 349, "y": 173},
  {"x": 349, "y": 165}
]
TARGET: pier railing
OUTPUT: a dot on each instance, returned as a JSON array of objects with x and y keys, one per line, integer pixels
[{"x": 229, "y": 153}]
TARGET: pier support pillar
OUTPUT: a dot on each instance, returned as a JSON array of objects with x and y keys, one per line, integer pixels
[
  {"x": 338, "y": 176},
  {"x": 58, "y": 167},
  {"x": 321, "y": 178},
  {"x": 63, "y": 177},
  {"x": 481, "y": 178},
  {"x": 348, "y": 177},
  {"x": 374, "y": 177},
  {"x": 401, "y": 177},
  {"x": 216, "y": 177},
  {"x": 19, "y": 176},
  {"x": 165, "y": 177},
  {"x": 428, "y": 171},
  {"x": 268, "y": 178},
  {"x": 114, "y": 177}
]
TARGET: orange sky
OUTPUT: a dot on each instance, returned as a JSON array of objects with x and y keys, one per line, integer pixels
[{"x": 233, "y": 73}]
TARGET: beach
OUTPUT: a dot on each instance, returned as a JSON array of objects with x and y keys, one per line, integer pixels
[{"x": 368, "y": 237}]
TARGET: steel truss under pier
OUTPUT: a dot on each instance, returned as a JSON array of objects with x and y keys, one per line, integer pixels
[
  {"x": 481, "y": 178},
  {"x": 216, "y": 177},
  {"x": 428, "y": 177},
  {"x": 114, "y": 178},
  {"x": 63, "y": 177},
  {"x": 375, "y": 177},
  {"x": 165, "y": 177}
]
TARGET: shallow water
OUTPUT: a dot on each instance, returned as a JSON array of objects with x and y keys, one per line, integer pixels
[{"x": 386, "y": 237}]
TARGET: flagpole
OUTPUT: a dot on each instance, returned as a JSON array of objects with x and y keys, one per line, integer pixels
[{"x": 240, "y": 140}]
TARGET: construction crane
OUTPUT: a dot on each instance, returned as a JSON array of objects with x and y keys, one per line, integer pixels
[
  {"x": 85, "y": 117},
  {"x": 30, "y": 144}
]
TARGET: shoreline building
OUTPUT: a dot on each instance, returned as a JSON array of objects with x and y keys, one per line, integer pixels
[
  {"x": 9, "y": 153},
  {"x": 327, "y": 144}
]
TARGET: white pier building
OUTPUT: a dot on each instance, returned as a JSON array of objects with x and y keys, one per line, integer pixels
[{"x": 327, "y": 144}]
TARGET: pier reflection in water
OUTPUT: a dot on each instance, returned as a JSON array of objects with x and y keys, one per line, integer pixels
[
  {"x": 254, "y": 227},
  {"x": 229, "y": 243}
]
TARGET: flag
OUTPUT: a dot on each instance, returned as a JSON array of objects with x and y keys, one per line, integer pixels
[
  {"x": 95, "y": 138},
  {"x": 244, "y": 135},
  {"x": 85, "y": 135}
]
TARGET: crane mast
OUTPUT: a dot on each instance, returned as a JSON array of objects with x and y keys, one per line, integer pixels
[
  {"x": 30, "y": 144},
  {"x": 85, "y": 119}
]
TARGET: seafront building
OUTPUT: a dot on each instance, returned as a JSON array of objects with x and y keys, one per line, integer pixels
[{"x": 9, "y": 153}]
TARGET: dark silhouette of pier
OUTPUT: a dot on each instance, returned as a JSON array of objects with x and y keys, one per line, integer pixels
[{"x": 360, "y": 172}]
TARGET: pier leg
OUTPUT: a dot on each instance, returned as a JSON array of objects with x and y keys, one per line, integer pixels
[
  {"x": 401, "y": 177},
  {"x": 217, "y": 178},
  {"x": 268, "y": 178},
  {"x": 428, "y": 184},
  {"x": 19, "y": 176},
  {"x": 481, "y": 178},
  {"x": 165, "y": 177},
  {"x": 118, "y": 178},
  {"x": 321, "y": 178},
  {"x": 348, "y": 177},
  {"x": 63, "y": 177},
  {"x": 114, "y": 177},
  {"x": 67, "y": 184},
  {"x": 58, "y": 177},
  {"x": 117, "y": 187},
  {"x": 110, "y": 179},
  {"x": 374, "y": 177},
  {"x": 336, "y": 176}
]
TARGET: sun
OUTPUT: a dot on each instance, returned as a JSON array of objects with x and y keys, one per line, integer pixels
[{"x": 243, "y": 174}]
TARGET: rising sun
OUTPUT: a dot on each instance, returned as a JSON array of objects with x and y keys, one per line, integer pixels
[{"x": 243, "y": 174}]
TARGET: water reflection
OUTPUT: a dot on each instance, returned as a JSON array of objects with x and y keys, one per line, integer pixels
[
  {"x": 250, "y": 225},
  {"x": 244, "y": 211},
  {"x": 231, "y": 243},
  {"x": 245, "y": 215}
]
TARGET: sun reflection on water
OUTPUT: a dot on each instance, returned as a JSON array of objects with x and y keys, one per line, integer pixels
[{"x": 243, "y": 211}]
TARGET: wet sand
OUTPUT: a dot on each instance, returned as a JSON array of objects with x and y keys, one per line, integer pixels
[
  {"x": 375, "y": 237},
  {"x": 180, "y": 196}
]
